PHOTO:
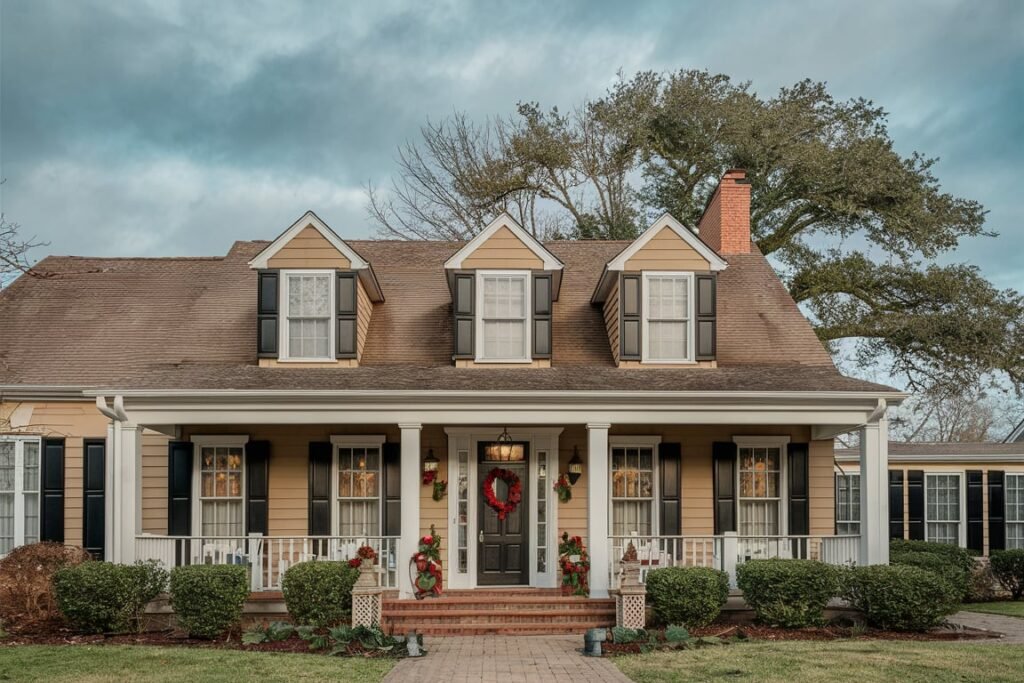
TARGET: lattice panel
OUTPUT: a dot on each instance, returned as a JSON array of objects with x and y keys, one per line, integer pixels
[
  {"x": 366, "y": 609},
  {"x": 631, "y": 611}
]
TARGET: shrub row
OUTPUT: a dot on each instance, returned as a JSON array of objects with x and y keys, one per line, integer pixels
[
  {"x": 101, "y": 597},
  {"x": 319, "y": 593},
  {"x": 788, "y": 593},
  {"x": 687, "y": 596},
  {"x": 1008, "y": 568}
]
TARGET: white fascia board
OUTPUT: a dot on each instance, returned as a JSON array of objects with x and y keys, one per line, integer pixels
[
  {"x": 549, "y": 260},
  {"x": 309, "y": 218},
  {"x": 715, "y": 262},
  {"x": 944, "y": 458},
  {"x": 40, "y": 392}
]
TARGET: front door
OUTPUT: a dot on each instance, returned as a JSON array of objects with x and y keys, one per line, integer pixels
[{"x": 503, "y": 544}]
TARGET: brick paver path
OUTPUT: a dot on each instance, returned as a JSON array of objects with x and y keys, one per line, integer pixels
[
  {"x": 505, "y": 659},
  {"x": 1012, "y": 628}
]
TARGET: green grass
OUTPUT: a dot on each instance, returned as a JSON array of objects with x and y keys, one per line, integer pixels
[
  {"x": 805, "y": 662},
  {"x": 103, "y": 664},
  {"x": 1007, "y": 609}
]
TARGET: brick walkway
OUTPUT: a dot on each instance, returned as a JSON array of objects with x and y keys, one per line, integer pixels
[
  {"x": 491, "y": 659},
  {"x": 1012, "y": 628}
]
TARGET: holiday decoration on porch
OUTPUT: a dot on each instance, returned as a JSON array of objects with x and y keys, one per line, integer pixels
[
  {"x": 429, "y": 477},
  {"x": 515, "y": 492},
  {"x": 575, "y": 565},
  {"x": 425, "y": 566},
  {"x": 563, "y": 488},
  {"x": 365, "y": 557},
  {"x": 440, "y": 489}
]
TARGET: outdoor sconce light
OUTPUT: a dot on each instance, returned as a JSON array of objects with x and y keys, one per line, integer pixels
[
  {"x": 575, "y": 466},
  {"x": 505, "y": 445},
  {"x": 430, "y": 463}
]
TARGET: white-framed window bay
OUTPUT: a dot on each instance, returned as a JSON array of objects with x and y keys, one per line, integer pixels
[
  {"x": 218, "y": 485},
  {"x": 762, "y": 485},
  {"x": 503, "y": 308},
  {"x": 667, "y": 313},
  {"x": 1014, "y": 486},
  {"x": 945, "y": 508},
  {"x": 848, "y": 503},
  {"x": 19, "y": 491},
  {"x": 633, "y": 485},
  {"x": 307, "y": 311},
  {"x": 357, "y": 485}
]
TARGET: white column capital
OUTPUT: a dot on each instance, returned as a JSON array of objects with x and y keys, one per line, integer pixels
[
  {"x": 598, "y": 425},
  {"x": 410, "y": 425}
]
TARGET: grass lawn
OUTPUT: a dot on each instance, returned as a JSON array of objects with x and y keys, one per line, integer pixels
[
  {"x": 806, "y": 662},
  {"x": 1007, "y": 609},
  {"x": 95, "y": 664}
]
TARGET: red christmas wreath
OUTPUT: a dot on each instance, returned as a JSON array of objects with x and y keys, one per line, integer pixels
[{"x": 515, "y": 491}]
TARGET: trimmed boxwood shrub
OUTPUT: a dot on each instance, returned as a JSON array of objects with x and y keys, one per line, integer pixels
[
  {"x": 938, "y": 564},
  {"x": 102, "y": 597},
  {"x": 687, "y": 596},
  {"x": 790, "y": 593},
  {"x": 208, "y": 598},
  {"x": 1008, "y": 568},
  {"x": 901, "y": 597},
  {"x": 319, "y": 592},
  {"x": 961, "y": 557}
]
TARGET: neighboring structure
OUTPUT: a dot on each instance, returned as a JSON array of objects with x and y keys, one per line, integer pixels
[
  {"x": 1017, "y": 435},
  {"x": 289, "y": 400},
  {"x": 968, "y": 494}
]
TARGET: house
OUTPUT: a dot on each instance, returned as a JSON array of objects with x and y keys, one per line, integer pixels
[
  {"x": 968, "y": 494},
  {"x": 287, "y": 401}
]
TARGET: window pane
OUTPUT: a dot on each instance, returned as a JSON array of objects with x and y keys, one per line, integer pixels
[
  {"x": 222, "y": 518},
  {"x": 31, "y": 453},
  {"x": 359, "y": 491},
  {"x": 667, "y": 341},
  {"x": 31, "y": 518},
  {"x": 7, "y": 466},
  {"x": 6, "y": 521},
  {"x": 632, "y": 489}
]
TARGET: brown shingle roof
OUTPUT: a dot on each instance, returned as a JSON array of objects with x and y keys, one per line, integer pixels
[{"x": 190, "y": 323}]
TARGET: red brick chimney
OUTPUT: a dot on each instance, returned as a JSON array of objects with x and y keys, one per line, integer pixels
[{"x": 725, "y": 225}]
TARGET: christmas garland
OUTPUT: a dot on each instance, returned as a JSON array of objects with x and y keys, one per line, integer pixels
[
  {"x": 426, "y": 566},
  {"x": 515, "y": 492}
]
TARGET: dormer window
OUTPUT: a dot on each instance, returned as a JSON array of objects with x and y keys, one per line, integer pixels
[
  {"x": 307, "y": 305},
  {"x": 504, "y": 316},
  {"x": 668, "y": 310}
]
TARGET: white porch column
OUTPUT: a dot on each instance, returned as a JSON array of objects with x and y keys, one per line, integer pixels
[
  {"x": 410, "y": 493},
  {"x": 124, "y": 467},
  {"x": 597, "y": 509},
  {"x": 874, "y": 492}
]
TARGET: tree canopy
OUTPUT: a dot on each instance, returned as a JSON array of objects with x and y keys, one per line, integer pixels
[{"x": 853, "y": 227}]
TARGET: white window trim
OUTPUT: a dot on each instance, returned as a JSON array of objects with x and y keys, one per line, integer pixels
[
  {"x": 283, "y": 336},
  {"x": 651, "y": 442},
  {"x": 19, "y": 485},
  {"x": 782, "y": 443},
  {"x": 690, "y": 323},
  {"x": 528, "y": 310},
  {"x": 356, "y": 441},
  {"x": 199, "y": 441},
  {"x": 836, "y": 494},
  {"x": 962, "y": 496},
  {"x": 1008, "y": 476}
]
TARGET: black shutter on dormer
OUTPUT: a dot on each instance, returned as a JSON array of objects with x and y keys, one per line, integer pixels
[
  {"x": 723, "y": 456},
  {"x": 51, "y": 515},
  {"x": 346, "y": 315},
  {"x": 267, "y": 310},
  {"x": 630, "y": 312},
  {"x": 707, "y": 327},
  {"x": 542, "y": 315},
  {"x": 463, "y": 311}
]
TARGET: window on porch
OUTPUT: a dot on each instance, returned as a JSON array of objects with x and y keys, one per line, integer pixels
[
  {"x": 848, "y": 504},
  {"x": 221, "y": 500},
  {"x": 942, "y": 508},
  {"x": 359, "y": 491},
  {"x": 19, "y": 492},
  {"x": 632, "y": 491},
  {"x": 760, "y": 499}
]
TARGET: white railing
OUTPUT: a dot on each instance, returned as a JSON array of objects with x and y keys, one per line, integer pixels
[
  {"x": 267, "y": 557},
  {"x": 654, "y": 552}
]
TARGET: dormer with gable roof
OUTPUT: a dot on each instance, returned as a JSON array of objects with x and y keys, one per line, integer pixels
[
  {"x": 315, "y": 298},
  {"x": 503, "y": 283}
]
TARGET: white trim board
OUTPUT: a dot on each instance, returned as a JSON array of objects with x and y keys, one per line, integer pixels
[{"x": 549, "y": 260}]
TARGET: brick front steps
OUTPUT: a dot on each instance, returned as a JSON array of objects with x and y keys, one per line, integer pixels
[{"x": 514, "y": 611}]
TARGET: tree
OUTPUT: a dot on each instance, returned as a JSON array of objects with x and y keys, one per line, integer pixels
[
  {"x": 970, "y": 414},
  {"x": 14, "y": 250},
  {"x": 852, "y": 226}
]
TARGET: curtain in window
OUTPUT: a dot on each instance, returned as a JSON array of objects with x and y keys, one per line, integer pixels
[
  {"x": 31, "y": 489},
  {"x": 632, "y": 491},
  {"x": 1014, "y": 511},
  {"x": 309, "y": 315},
  {"x": 220, "y": 491},
  {"x": 359, "y": 492},
  {"x": 760, "y": 491},
  {"x": 667, "y": 314},
  {"x": 942, "y": 494},
  {"x": 504, "y": 317},
  {"x": 6, "y": 496}
]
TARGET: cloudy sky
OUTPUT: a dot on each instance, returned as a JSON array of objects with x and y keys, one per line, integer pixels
[{"x": 176, "y": 127}]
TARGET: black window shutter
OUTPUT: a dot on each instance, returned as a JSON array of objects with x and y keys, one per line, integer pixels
[
  {"x": 392, "y": 461},
  {"x": 896, "y": 504},
  {"x": 915, "y": 504},
  {"x": 723, "y": 455},
  {"x": 463, "y": 309},
  {"x": 799, "y": 506},
  {"x": 267, "y": 309},
  {"x": 257, "y": 487},
  {"x": 51, "y": 522},
  {"x": 179, "y": 488},
  {"x": 630, "y": 312},
  {"x": 542, "y": 315},
  {"x": 347, "y": 310},
  {"x": 320, "y": 488},
  {"x": 94, "y": 453},
  {"x": 996, "y": 511},
  {"x": 707, "y": 327},
  {"x": 975, "y": 511},
  {"x": 670, "y": 463}
]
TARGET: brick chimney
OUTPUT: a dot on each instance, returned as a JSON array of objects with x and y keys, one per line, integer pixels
[{"x": 725, "y": 225}]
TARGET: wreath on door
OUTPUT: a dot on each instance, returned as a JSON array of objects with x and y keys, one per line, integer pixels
[{"x": 515, "y": 492}]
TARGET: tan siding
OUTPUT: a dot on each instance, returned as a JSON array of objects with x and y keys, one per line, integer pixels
[
  {"x": 611, "y": 319},
  {"x": 432, "y": 511},
  {"x": 308, "y": 249},
  {"x": 667, "y": 251},
  {"x": 154, "y": 482},
  {"x": 821, "y": 487},
  {"x": 364, "y": 309},
  {"x": 502, "y": 250},
  {"x": 572, "y": 516}
]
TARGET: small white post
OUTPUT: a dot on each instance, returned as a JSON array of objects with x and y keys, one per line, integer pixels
[
  {"x": 410, "y": 494},
  {"x": 874, "y": 498},
  {"x": 730, "y": 555},
  {"x": 255, "y": 554},
  {"x": 597, "y": 506}
]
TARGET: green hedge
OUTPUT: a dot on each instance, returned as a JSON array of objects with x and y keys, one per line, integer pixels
[
  {"x": 961, "y": 557},
  {"x": 208, "y": 598},
  {"x": 687, "y": 596},
  {"x": 319, "y": 593},
  {"x": 901, "y": 597},
  {"x": 1008, "y": 568},
  {"x": 940, "y": 564},
  {"x": 789, "y": 593},
  {"x": 102, "y": 597}
]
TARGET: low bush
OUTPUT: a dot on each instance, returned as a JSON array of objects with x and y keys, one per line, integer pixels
[
  {"x": 208, "y": 598},
  {"x": 27, "y": 601},
  {"x": 687, "y": 596},
  {"x": 789, "y": 593},
  {"x": 1008, "y": 568},
  {"x": 981, "y": 586},
  {"x": 102, "y": 597},
  {"x": 319, "y": 593},
  {"x": 961, "y": 557},
  {"x": 938, "y": 564},
  {"x": 901, "y": 597}
]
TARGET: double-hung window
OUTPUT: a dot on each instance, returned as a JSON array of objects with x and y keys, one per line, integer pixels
[
  {"x": 848, "y": 504},
  {"x": 503, "y": 299},
  {"x": 942, "y": 508},
  {"x": 1014, "y": 511},
  {"x": 668, "y": 314},
  {"x": 19, "y": 492},
  {"x": 760, "y": 490},
  {"x": 632, "y": 490},
  {"x": 221, "y": 485},
  {"x": 307, "y": 332},
  {"x": 359, "y": 488}
]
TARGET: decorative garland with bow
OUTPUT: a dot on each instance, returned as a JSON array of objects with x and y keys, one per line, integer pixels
[{"x": 515, "y": 492}]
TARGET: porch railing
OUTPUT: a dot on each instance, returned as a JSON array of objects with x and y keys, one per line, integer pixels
[{"x": 267, "y": 557}]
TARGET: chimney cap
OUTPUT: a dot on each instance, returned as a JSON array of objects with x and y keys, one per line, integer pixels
[{"x": 735, "y": 173}]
